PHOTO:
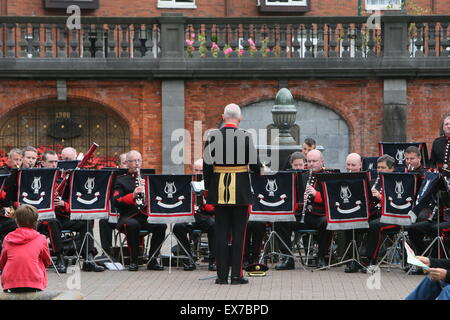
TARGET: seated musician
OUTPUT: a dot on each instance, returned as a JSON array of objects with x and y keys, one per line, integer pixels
[
  {"x": 132, "y": 219},
  {"x": 106, "y": 227},
  {"x": 63, "y": 222},
  {"x": 385, "y": 163},
  {"x": 353, "y": 163},
  {"x": 8, "y": 195},
  {"x": 204, "y": 221},
  {"x": 68, "y": 153},
  {"x": 29, "y": 157},
  {"x": 315, "y": 216},
  {"x": 284, "y": 229}
]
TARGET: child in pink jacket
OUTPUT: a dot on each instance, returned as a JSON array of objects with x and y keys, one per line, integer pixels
[{"x": 25, "y": 255}]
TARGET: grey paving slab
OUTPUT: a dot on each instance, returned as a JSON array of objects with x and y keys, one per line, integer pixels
[{"x": 295, "y": 284}]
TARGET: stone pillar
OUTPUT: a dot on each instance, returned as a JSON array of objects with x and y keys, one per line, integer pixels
[
  {"x": 394, "y": 113},
  {"x": 172, "y": 92}
]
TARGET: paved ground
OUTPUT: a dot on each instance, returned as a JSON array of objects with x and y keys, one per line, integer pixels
[{"x": 296, "y": 284}]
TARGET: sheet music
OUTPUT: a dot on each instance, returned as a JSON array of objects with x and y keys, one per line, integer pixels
[{"x": 412, "y": 258}]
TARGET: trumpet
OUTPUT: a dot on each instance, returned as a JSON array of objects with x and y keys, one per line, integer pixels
[
  {"x": 306, "y": 205},
  {"x": 140, "y": 198}
]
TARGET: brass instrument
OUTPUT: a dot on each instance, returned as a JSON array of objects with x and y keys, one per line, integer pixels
[
  {"x": 140, "y": 197},
  {"x": 306, "y": 205}
]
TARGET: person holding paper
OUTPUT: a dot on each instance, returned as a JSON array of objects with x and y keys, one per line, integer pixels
[{"x": 436, "y": 285}]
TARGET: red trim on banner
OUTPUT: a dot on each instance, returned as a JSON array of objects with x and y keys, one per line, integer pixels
[{"x": 105, "y": 209}]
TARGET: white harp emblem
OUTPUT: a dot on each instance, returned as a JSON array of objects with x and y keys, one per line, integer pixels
[
  {"x": 89, "y": 186},
  {"x": 271, "y": 187},
  {"x": 400, "y": 156},
  {"x": 345, "y": 194},
  {"x": 399, "y": 190},
  {"x": 170, "y": 189},
  {"x": 36, "y": 186}
]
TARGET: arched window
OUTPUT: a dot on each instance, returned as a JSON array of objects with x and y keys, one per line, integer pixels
[{"x": 75, "y": 123}]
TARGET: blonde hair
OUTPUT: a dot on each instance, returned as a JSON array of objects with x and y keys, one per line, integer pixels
[{"x": 26, "y": 216}]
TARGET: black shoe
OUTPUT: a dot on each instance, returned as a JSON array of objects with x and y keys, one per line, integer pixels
[
  {"x": 98, "y": 268},
  {"x": 286, "y": 264},
  {"x": 352, "y": 267},
  {"x": 221, "y": 281},
  {"x": 133, "y": 267},
  {"x": 212, "y": 266},
  {"x": 238, "y": 280},
  {"x": 188, "y": 266},
  {"x": 154, "y": 265},
  {"x": 87, "y": 266}
]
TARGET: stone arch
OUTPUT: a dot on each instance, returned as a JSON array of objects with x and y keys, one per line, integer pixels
[
  {"x": 76, "y": 122},
  {"x": 328, "y": 127}
]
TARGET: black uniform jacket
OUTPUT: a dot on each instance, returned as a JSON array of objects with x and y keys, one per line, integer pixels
[{"x": 229, "y": 156}]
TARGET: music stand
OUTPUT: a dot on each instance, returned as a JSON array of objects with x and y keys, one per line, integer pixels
[
  {"x": 337, "y": 226},
  {"x": 189, "y": 256},
  {"x": 90, "y": 235},
  {"x": 438, "y": 237},
  {"x": 85, "y": 241},
  {"x": 270, "y": 240}
]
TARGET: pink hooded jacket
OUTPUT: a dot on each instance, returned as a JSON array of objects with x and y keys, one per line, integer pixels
[{"x": 24, "y": 257}]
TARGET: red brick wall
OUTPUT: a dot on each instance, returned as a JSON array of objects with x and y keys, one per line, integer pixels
[
  {"x": 208, "y": 8},
  {"x": 138, "y": 103},
  {"x": 428, "y": 103}
]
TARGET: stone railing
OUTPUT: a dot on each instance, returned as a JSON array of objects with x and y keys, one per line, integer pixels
[
  {"x": 175, "y": 46},
  {"x": 282, "y": 37},
  {"x": 49, "y": 37}
]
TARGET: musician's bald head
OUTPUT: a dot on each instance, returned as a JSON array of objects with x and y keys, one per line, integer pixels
[
  {"x": 353, "y": 162},
  {"x": 315, "y": 160},
  {"x": 69, "y": 153},
  {"x": 198, "y": 166}
]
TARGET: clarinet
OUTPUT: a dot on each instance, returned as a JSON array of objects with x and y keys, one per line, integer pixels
[
  {"x": 306, "y": 204},
  {"x": 435, "y": 210},
  {"x": 378, "y": 205},
  {"x": 140, "y": 198}
]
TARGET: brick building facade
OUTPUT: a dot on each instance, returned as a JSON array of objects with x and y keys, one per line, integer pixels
[{"x": 148, "y": 109}]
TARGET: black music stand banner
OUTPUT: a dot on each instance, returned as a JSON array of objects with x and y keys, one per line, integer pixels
[
  {"x": 36, "y": 188},
  {"x": 428, "y": 189},
  {"x": 90, "y": 192},
  {"x": 68, "y": 164},
  {"x": 346, "y": 198},
  {"x": 370, "y": 164},
  {"x": 397, "y": 151},
  {"x": 273, "y": 197},
  {"x": 399, "y": 190},
  {"x": 169, "y": 198}
]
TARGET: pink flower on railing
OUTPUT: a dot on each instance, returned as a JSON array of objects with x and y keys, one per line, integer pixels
[
  {"x": 192, "y": 35},
  {"x": 251, "y": 43},
  {"x": 241, "y": 52},
  {"x": 228, "y": 51},
  {"x": 214, "y": 46},
  {"x": 190, "y": 42}
]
